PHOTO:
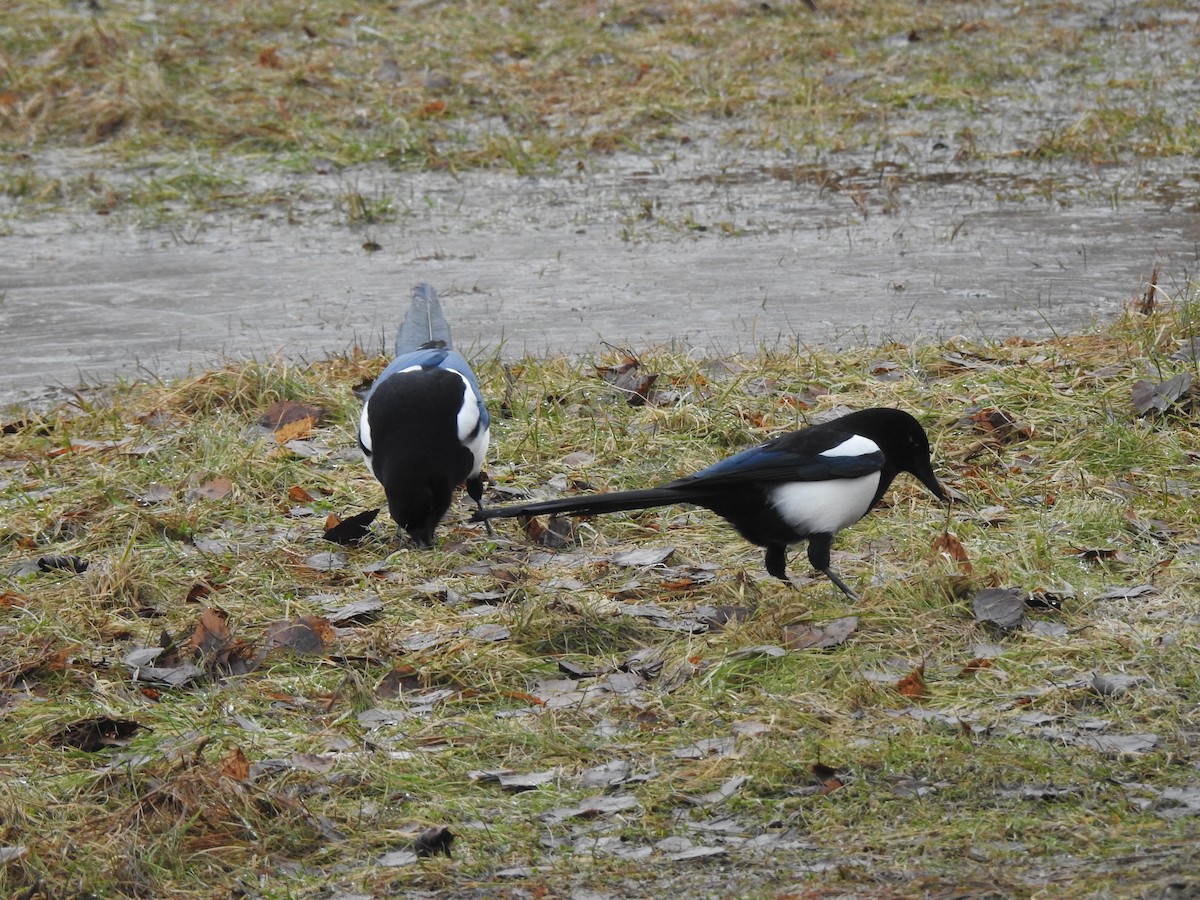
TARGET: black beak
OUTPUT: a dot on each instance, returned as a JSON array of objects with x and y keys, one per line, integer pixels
[{"x": 925, "y": 474}]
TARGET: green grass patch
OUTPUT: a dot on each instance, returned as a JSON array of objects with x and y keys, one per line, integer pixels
[
  {"x": 531, "y": 87},
  {"x": 576, "y": 722}
]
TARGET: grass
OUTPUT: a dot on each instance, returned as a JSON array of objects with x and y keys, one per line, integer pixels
[
  {"x": 316, "y": 771},
  {"x": 535, "y": 88}
]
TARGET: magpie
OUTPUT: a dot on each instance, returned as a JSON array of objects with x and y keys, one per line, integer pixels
[
  {"x": 804, "y": 485},
  {"x": 424, "y": 427}
]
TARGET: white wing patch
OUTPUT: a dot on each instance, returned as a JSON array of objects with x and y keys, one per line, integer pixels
[
  {"x": 855, "y": 445},
  {"x": 825, "y": 507}
]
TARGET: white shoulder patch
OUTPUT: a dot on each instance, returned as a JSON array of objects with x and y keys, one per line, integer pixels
[
  {"x": 470, "y": 434},
  {"x": 855, "y": 445}
]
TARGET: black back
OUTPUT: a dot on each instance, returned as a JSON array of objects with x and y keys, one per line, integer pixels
[{"x": 417, "y": 456}]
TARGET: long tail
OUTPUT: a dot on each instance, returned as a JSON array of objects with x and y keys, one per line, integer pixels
[
  {"x": 424, "y": 322},
  {"x": 591, "y": 503}
]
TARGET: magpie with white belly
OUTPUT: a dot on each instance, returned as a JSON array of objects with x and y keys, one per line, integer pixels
[
  {"x": 805, "y": 485},
  {"x": 424, "y": 427}
]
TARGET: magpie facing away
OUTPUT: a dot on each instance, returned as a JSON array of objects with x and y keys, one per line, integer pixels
[
  {"x": 808, "y": 484},
  {"x": 424, "y": 428}
]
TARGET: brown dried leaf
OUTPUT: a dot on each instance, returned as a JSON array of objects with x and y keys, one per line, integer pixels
[
  {"x": 998, "y": 425},
  {"x": 235, "y": 765},
  {"x": 211, "y": 634},
  {"x": 216, "y": 489},
  {"x": 284, "y": 412},
  {"x": 948, "y": 545},
  {"x": 296, "y": 430},
  {"x": 48, "y": 658},
  {"x": 298, "y": 494},
  {"x": 1100, "y": 554},
  {"x": 912, "y": 685},
  {"x": 558, "y": 532},
  {"x": 809, "y": 637},
  {"x": 308, "y": 634},
  {"x": 974, "y": 665},
  {"x": 627, "y": 378},
  {"x": 397, "y": 681}
]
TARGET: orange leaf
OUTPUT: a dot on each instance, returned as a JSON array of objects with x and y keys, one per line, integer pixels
[
  {"x": 9, "y": 599},
  {"x": 295, "y": 430},
  {"x": 235, "y": 765},
  {"x": 912, "y": 685},
  {"x": 268, "y": 58},
  {"x": 298, "y": 494},
  {"x": 433, "y": 108},
  {"x": 974, "y": 666},
  {"x": 948, "y": 545}
]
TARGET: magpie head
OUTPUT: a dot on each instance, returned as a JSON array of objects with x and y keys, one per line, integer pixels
[
  {"x": 917, "y": 455},
  {"x": 904, "y": 443}
]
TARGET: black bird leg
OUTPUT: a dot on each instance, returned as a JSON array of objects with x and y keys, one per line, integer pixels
[
  {"x": 475, "y": 492},
  {"x": 833, "y": 576},
  {"x": 819, "y": 547},
  {"x": 776, "y": 561}
]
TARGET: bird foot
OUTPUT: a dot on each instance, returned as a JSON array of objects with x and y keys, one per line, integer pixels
[{"x": 845, "y": 588}]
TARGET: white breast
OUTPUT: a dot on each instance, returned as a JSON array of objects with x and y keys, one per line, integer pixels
[{"x": 824, "y": 507}]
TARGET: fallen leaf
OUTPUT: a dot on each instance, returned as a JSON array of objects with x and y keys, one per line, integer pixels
[
  {"x": 352, "y": 531},
  {"x": 998, "y": 425},
  {"x": 809, "y": 637},
  {"x": 268, "y": 58},
  {"x": 1155, "y": 399},
  {"x": 357, "y": 611},
  {"x": 216, "y": 489},
  {"x": 1098, "y": 554},
  {"x": 155, "y": 493},
  {"x": 91, "y": 735},
  {"x": 235, "y": 765},
  {"x": 1114, "y": 684},
  {"x": 296, "y": 430},
  {"x": 974, "y": 666},
  {"x": 526, "y": 781},
  {"x": 310, "y": 635},
  {"x": 558, "y": 532},
  {"x": 1127, "y": 593},
  {"x": 57, "y": 562},
  {"x": 627, "y": 378},
  {"x": 1000, "y": 608},
  {"x": 705, "y": 747},
  {"x": 211, "y": 634},
  {"x": 397, "y": 681},
  {"x": 592, "y": 807},
  {"x": 721, "y": 794},
  {"x": 644, "y": 557},
  {"x": 912, "y": 685},
  {"x": 434, "y": 840},
  {"x": 610, "y": 774},
  {"x": 490, "y": 632},
  {"x": 326, "y": 562},
  {"x": 948, "y": 545}
]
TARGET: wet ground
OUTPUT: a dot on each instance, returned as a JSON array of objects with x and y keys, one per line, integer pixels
[{"x": 691, "y": 246}]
